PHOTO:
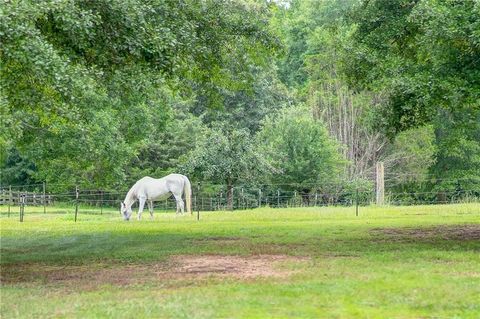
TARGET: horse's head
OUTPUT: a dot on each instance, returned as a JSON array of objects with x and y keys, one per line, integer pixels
[{"x": 126, "y": 211}]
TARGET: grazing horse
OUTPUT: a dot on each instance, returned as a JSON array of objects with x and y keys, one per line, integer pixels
[{"x": 149, "y": 189}]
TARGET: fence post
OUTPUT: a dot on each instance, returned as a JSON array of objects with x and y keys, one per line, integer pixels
[
  {"x": 198, "y": 207},
  {"x": 380, "y": 189},
  {"x": 22, "y": 207},
  {"x": 316, "y": 199},
  {"x": 356, "y": 202},
  {"x": 10, "y": 199},
  {"x": 76, "y": 202}
]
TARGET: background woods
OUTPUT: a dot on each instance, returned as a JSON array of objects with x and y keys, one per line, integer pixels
[{"x": 297, "y": 93}]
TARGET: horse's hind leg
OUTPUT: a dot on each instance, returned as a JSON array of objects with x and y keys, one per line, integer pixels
[
  {"x": 141, "y": 203},
  {"x": 150, "y": 208},
  {"x": 180, "y": 205}
]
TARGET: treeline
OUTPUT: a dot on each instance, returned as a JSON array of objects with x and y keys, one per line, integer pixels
[{"x": 304, "y": 94}]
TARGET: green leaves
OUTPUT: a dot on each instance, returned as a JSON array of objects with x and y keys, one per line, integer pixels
[
  {"x": 299, "y": 149},
  {"x": 86, "y": 85},
  {"x": 225, "y": 155},
  {"x": 425, "y": 56}
]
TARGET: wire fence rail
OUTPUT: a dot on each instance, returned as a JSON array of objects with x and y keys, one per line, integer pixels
[{"x": 91, "y": 201}]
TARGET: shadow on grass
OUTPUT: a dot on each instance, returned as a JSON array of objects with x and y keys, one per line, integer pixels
[
  {"x": 78, "y": 248},
  {"x": 79, "y": 254}
]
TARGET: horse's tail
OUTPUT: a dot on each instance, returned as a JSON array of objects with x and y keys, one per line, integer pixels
[{"x": 187, "y": 189}]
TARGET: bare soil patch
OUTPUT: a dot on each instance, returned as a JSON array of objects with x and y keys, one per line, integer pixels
[
  {"x": 446, "y": 232},
  {"x": 177, "y": 268},
  {"x": 236, "y": 266}
]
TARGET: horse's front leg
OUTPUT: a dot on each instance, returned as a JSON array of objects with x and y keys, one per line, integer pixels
[{"x": 141, "y": 204}]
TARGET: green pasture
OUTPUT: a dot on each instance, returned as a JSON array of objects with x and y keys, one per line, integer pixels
[{"x": 389, "y": 262}]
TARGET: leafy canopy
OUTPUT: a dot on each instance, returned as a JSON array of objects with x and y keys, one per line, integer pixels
[
  {"x": 299, "y": 149},
  {"x": 86, "y": 83}
]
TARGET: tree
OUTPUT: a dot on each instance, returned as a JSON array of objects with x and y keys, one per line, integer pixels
[
  {"x": 226, "y": 156},
  {"x": 347, "y": 114},
  {"x": 409, "y": 158},
  {"x": 86, "y": 83},
  {"x": 316, "y": 33},
  {"x": 246, "y": 108},
  {"x": 299, "y": 149},
  {"x": 165, "y": 152},
  {"x": 295, "y": 23},
  {"x": 425, "y": 57},
  {"x": 16, "y": 170}
]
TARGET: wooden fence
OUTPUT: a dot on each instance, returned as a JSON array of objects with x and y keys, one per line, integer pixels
[{"x": 31, "y": 198}]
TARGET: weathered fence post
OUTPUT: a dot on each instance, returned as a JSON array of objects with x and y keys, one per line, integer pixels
[
  {"x": 44, "y": 198},
  {"x": 278, "y": 198},
  {"x": 22, "y": 206},
  {"x": 316, "y": 199},
  {"x": 76, "y": 202},
  {"x": 380, "y": 186},
  {"x": 198, "y": 207},
  {"x": 295, "y": 199},
  {"x": 356, "y": 202}
]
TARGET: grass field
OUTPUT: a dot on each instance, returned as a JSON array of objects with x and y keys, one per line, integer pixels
[{"x": 389, "y": 262}]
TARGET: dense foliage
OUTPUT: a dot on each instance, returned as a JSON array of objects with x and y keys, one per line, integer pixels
[
  {"x": 299, "y": 149},
  {"x": 86, "y": 84},
  {"x": 298, "y": 93},
  {"x": 425, "y": 57}
]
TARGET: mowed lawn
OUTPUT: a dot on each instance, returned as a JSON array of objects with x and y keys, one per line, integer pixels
[{"x": 389, "y": 262}]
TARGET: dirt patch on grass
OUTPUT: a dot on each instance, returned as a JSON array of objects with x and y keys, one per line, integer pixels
[
  {"x": 446, "y": 232},
  {"x": 177, "y": 268},
  {"x": 236, "y": 266}
]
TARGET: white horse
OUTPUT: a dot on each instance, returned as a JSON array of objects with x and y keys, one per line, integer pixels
[{"x": 149, "y": 189}]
